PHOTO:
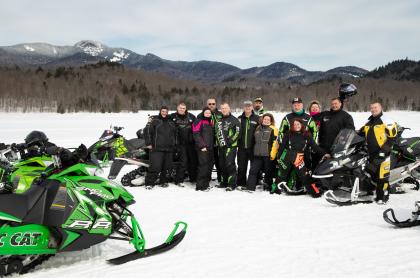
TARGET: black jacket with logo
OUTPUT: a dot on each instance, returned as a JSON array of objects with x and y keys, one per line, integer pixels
[
  {"x": 248, "y": 126},
  {"x": 184, "y": 127},
  {"x": 228, "y": 131}
]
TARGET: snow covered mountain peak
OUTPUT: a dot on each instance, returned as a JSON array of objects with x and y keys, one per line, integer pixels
[
  {"x": 92, "y": 48},
  {"x": 27, "y": 47}
]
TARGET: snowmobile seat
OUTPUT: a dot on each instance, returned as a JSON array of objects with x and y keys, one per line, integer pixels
[
  {"x": 19, "y": 205},
  {"x": 135, "y": 144}
]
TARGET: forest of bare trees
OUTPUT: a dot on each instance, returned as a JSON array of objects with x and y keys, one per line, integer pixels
[{"x": 109, "y": 87}]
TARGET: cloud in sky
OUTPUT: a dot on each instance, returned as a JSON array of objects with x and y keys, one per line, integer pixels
[{"x": 316, "y": 35}]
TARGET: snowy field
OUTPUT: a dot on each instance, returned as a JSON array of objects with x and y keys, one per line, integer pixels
[{"x": 235, "y": 234}]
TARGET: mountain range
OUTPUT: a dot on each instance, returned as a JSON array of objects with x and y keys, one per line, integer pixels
[{"x": 210, "y": 72}]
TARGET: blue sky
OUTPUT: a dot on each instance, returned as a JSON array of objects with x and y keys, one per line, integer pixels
[{"x": 316, "y": 35}]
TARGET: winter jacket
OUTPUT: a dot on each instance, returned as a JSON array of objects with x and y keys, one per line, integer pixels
[
  {"x": 298, "y": 142},
  {"x": 331, "y": 124},
  {"x": 161, "y": 133},
  {"x": 248, "y": 126},
  {"x": 317, "y": 118},
  {"x": 265, "y": 139},
  {"x": 307, "y": 120},
  {"x": 203, "y": 133},
  {"x": 184, "y": 124},
  {"x": 380, "y": 133},
  {"x": 228, "y": 131}
]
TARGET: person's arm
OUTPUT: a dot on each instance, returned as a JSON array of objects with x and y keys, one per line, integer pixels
[
  {"x": 348, "y": 122},
  {"x": 234, "y": 133},
  {"x": 273, "y": 143},
  {"x": 149, "y": 132},
  {"x": 198, "y": 138},
  {"x": 284, "y": 127},
  {"x": 391, "y": 131},
  {"x": 315, "y": 148},
  {"x": 313, "y": 129}
]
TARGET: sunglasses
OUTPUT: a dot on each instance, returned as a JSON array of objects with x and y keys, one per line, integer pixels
[{"x": 211, "y": 103}]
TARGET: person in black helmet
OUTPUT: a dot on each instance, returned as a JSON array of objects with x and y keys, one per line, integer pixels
[
  {"x": 36, "y": 143},
  {"x": 160, "y": 136},
  {"x": 336, "y": 118}
]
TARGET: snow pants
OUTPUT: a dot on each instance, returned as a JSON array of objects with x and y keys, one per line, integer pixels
[
  {"x": 160, "y": 162},
  {"x": 227, "y": 164}
]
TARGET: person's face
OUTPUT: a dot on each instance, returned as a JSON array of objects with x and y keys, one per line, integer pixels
[
  {"x": 225, "y": 109},
  {"x": 335, "y": 105},
  {"x": 181, "y": 109},
  {"x": 375, "y": 109},
  {"x": 164, "y": 113},
  {"x": 297, "y": 125},
  {"x": 207, "y": 113},
  {"x": 297, "y": 106},
  {"x": 247, "y": 109},
  {"x": 315, "y": 108},
  {"x": 257, "y": 105},
  {"x": 211, "y": 103},
  {"x": 266, "y": 121}
]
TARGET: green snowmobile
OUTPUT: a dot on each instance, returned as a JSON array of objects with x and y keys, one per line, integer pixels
[{"x": 57, "y": 209}]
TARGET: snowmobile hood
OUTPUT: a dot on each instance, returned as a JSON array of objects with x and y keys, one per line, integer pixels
[{"x": 327, "y": 167}]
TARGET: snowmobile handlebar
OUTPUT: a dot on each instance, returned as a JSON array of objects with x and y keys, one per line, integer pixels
[{"x": 118, "y": 128}]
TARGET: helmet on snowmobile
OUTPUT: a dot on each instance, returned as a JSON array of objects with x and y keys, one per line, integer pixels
[
  {"x": 36, "y": 138},
  {"x": 346, "y": 90}
]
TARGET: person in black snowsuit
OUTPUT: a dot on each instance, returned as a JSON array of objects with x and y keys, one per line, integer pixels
[
  {"x": 294, "y": 152},
  {"x": 216, "y": 115},
  {"x": 203, "y": 133},
  {"x": 264, "y": 151},
  {"x": 332, "y": 122},
  {"x": 227, "y": 132},
  {"x": 187, "y": 155},
  {"x": 160, "y": 137},
  {"x": 249, "y": 122}
]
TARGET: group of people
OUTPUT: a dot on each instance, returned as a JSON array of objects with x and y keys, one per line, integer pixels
[{"x": 218, "y": 138}]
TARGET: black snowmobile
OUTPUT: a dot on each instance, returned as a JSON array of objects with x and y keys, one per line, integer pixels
[
  {"x": 344, "y": 176},
  {"x": 140, "y": 158},
  {"x": 112, "y": 144}
]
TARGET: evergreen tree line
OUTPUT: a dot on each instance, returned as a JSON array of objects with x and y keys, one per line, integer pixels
[{"x": 109, "y": 87}]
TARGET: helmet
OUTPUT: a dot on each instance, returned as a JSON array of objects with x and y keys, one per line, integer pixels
[
  {"x": 36, "y": 138},
  {"x": 347, "y": 90}
]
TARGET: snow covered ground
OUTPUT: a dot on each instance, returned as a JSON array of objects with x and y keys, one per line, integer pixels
[{"x": 235, "y": 234}]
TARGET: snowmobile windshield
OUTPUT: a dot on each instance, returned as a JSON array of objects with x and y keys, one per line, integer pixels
[
  {"x": 345, "y": 141},
  {"x": 106, "y": 135}
]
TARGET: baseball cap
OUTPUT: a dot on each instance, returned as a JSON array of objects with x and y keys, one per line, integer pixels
[
  {"x": 258, "y": 99},
  {"x": 297, "y": 99}
]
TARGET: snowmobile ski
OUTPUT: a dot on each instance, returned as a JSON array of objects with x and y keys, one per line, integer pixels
[
  {"x": 172, "y": 241},
  {"x": 332, "y": 199},
  {"x": 389, "y": 217}
]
